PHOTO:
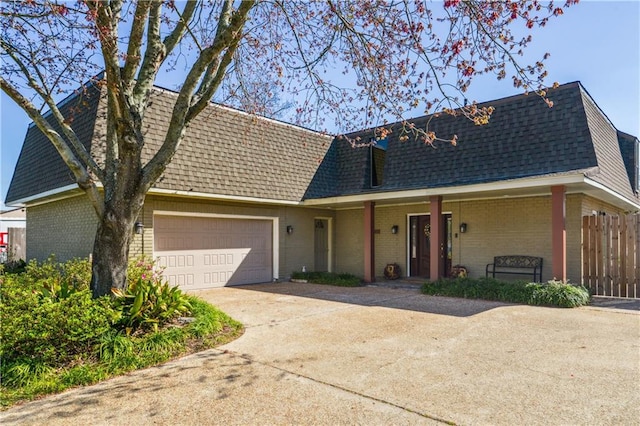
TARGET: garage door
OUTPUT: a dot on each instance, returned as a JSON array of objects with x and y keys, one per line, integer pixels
[{"x": 200, "y": 252}]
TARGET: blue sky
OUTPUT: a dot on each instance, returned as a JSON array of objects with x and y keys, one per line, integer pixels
[{"x": 595, "y": 42}]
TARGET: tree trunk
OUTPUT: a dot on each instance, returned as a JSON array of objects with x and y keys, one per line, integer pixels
[{"x": 111, "y": 250}]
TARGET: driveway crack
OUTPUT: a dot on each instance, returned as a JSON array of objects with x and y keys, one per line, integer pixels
[{"x": 344, "y": 389}]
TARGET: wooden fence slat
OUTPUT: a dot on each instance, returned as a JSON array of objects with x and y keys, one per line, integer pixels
[
  {"x": 605, "y": 255},
  {"x": 594, "y": 256},
  {"x": 611, "y": 255},
  {"x": 586, "y": 278},
  {"x": 632, "y": 249},
  {"x": 623, "y": 257},
  {"x": 614, "y": 247},
  {"x": 631, "y": 263},
  {"x": 637, "y": 253}
]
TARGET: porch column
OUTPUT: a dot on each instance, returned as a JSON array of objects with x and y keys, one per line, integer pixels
[
  {"x": 369, "y": 242},
  {"x": 437, "y": 238},
  {"x": 558, "y": 232}
]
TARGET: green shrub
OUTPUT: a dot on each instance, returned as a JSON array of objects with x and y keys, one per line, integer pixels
[
  {"x": 149, "y": 304},
  {"x": 13, "y": 267},
  {"x": 50, "y": 331},
  {"x": 55, "y": 336},
  {"x": 553, "y": 293},
  {"x": 24, "y": 372},
  {"x": 54, "y": 280},
  {"x": 342, "y": 280},
  {"x": 557, "y": 293}
]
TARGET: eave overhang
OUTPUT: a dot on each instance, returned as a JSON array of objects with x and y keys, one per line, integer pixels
[{"x": 514, "y": 188}]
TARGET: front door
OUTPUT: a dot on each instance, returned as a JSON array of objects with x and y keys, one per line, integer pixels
[
  {"x": 420, "y": 245},
  {"x": 321, "y": 245}
]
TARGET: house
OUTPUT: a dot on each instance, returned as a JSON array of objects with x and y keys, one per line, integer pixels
[
  {"x": 13, "y": 224},
  {"x": 249, "y": 199}
]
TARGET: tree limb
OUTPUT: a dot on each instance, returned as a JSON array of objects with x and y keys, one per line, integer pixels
[
  {"x": 83, "y": 179},
  {"x": 183, "y": 108},
  {"x": 134, "y": 58},
  {"x": 55, "y": 111}
]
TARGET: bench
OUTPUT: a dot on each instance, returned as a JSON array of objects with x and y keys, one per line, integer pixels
[{"x": 516, "y": 264}]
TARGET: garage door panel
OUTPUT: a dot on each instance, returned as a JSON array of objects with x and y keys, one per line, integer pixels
[{"x": 212, "y": 252}]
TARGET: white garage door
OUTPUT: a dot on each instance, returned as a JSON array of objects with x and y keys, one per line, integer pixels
[{"x": 201, "y": 252}]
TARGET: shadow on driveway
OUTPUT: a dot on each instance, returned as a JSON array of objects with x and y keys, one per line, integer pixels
[
  {"x": 616, "y": 303},
  {"x": 393, "y": 298}
]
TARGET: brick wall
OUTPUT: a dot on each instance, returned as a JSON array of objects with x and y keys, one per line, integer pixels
[
  {"x": 349, "y": 242},
  {"x": 503, "y": 227},
  {"x": 495, "y": 227},
  {"x": 65, "y": 228}
]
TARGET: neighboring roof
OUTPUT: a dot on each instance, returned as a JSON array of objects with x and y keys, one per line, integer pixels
[
  {"x": 14, "y": 214},
  {"x": 524, "y": 138}
]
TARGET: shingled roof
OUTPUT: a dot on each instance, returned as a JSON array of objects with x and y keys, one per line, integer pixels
[
  {"x": 40, "y": 168},
  {"x": 224, "y": 152},
  {"x": 524, "y": 138}
]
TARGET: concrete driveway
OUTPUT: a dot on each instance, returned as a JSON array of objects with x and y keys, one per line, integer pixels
[{"x": 315, "y": 354}]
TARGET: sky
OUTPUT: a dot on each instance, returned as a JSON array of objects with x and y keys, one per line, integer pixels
[{"x": 594, "y": 42}]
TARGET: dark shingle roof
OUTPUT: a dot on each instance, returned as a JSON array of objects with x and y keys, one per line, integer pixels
[
  {"x": 224, "y": 152},
  {"x": 524, "y": 138},
  {"x": 628, "y": 144},
  {"x": 40, "y": 168},
  {"x": 228, "y": 152}
]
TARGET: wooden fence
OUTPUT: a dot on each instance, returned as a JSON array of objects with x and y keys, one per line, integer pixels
[{"x": 611, "y": 255}]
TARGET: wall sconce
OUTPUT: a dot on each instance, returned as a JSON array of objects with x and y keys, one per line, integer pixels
[
  {"x": 139, "y": 228},
  {"x": 463, "y": 228},
  {"x": 394, "y": 229},
  {"x": 289, "y": 229}
]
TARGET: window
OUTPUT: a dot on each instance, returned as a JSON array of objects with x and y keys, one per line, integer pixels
[{"x": 378, "y": 155}]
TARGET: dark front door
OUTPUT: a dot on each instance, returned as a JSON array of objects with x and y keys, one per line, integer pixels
[
  {"x": 321, "y": 245},
  {"x": 420, "y": 245}
]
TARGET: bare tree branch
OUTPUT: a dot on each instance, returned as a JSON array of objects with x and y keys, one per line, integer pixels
[
  {"x": 79, "y": 172},
  {"x": 134, "y": 46}
]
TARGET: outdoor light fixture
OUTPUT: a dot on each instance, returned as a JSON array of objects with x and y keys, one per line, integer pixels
[
  {"x": 289, "y": 229},
  {"x": 463, "y": 228},
  {"x": 394, "y": 229},
  {"x": 139, "y": 228}
]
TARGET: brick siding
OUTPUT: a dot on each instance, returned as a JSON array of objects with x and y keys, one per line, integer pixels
[
  {"x": 65, "y": 228},
  {"x": 495, "y": 227}
]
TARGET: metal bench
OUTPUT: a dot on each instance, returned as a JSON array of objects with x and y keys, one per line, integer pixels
[{"x": 516, "y": 264}]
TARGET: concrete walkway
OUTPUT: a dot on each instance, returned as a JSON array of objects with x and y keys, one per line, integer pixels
[{"x": 315, "y": 354}]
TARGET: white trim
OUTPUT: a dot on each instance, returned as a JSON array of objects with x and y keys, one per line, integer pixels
[
  {"x": 329, "y": 241},
  {"x": 275, "y": 230},
  {"x": 601, "y": 187},
  {"x": 450, "y": 190},
  {"x": 191, "y": 194},
  {"x": 22, "y": 201}
]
